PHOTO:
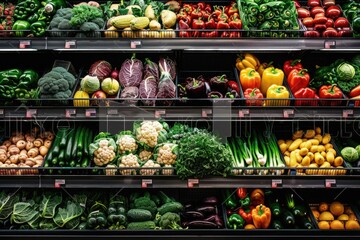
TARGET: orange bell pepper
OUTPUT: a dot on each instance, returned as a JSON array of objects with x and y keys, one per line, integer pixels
[
  {"x": 261, "y": 216},
  {"x": 249, "y": 78}
]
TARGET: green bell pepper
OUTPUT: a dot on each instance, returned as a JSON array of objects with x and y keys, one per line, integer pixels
[
  {"x": 28, "y": 79},
  {"x": 356, "y": 24},
  {"x": 25, "y": 8},
  {"x": 33, "y": 18},
  {"x": 10, "y": 77},
  {"x": 275, "y": 24},
  {"x": 235, "y": 221},
  {"x": 7, "y": 92},
  {"x": 38, "y": 28},
  {"x": 21, "y": 93},
  {"x": 21, "y": 26},
  {"x": 266, "y": 25},
  {"x": 245, "y": 202},
  {"x": 252, "y": 8},
  {"x": 230, "y": 201},
  {"x": 286, "y": 14},
  {"x": 269, "y": 15}
]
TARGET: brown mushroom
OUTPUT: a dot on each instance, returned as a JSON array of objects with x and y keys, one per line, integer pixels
[
  {"x": 29, "y": 145},
  {"x": 21, "y": 144},
  {"x": 33, "y": 152},
  {"x": 47, "y": 143},
  {"x": 6, "y": 143},
  {"x": 38, "y": 142},
  {"x": 14, "y": 151},
  {"x": 3, "y": 158},
  {"x": 14, "y": 159}
]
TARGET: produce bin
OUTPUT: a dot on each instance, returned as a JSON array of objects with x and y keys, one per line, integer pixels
[
  {"x": 145, "y": 33},
  {"x": 262, "y": 23},
  {"x": 207, "y": 75}
]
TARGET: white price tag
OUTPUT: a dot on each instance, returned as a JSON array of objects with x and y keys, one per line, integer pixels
[
  {"x": 276, "y": 183},
  {"x": 70, "y": 113},
  {"x": 70, "y": 44},
  {"x": 135, "y": 44},
  {"x": 90, "y": 113},
  {"x": 193, "y": 182},
  {"x": 24, "y": 44},
  {"x": 146, "y": 182},
  {"x": 59, "y": 183}
]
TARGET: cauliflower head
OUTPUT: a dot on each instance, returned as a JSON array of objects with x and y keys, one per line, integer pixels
[
  {"x": 147, "y": 165},
  {"x": 150, "y": 133},
  {"x": 127, "y": 161},
  {"x": 110, "y": 170},
  {"x": 103, "y": 150},
  {"x": 166, "y": 153},
  {"x": 126, "y": 143},
  {"x": 145, "y": 155}
]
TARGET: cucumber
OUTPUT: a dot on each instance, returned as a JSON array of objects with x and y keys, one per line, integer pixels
[
  {"x": 74, "y": 147},
  {"x": 87, "y": 142},
  {"x": 54, "y": 161},
  {"x": 51, "y": 155},
  {"x": 81, "y": 138},
  {"x": 62, "y": 134},
  {"x": 69, "y": 146},
  {"x": 139, "y": 215},
  {"x": 174, "y": 207},
  {"x": 64, "y": 138},
  {"x": 62, "y": 158},
  {"x": 85, "y": 162}
]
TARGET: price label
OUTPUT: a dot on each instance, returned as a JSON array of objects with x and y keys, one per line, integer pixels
[
  {"x": 145, "y": 183},
  {"x": 112, "y": 112},
  {"x": 90, "y": 113},
  {"x": 135, "y": 44},
  {"x": 287, "y": 113},
  {"x": 70, "y": 113},
  {"x": 206, "y": 112},
  {"x": 347, "y": 112},
  {"x": 24, "y": 44},
  {"x": 243, "y": 113},
  {"x": 192, "y": 183},
  {"x": 276, "y": 183},
  {"x": 70, "y": 44},
  {"x": 159, "y": 113},
  {"x": 329, "y": 44},
  {"x": 30, "y": 113},
  {"x": 329, "y": 183},
  {"x": 59, "y": 183}
]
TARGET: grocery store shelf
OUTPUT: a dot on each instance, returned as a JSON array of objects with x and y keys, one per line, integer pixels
[
  {"x": 218, "y": 112},
  {"x": 242, "y": 44},
  {"x": 183, "y": 234},
  {"x": 160, "y": 182}
]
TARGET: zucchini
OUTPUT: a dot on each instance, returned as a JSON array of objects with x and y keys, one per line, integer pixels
[
  {"x": 299, "y": 211},
  {"x": 88, "y": 140},
  {"x": 74, "y": 147},
  {"x": 139, "y": 215},
  {"x": 306, "y": 224},
  {"x": 275, "y": 207},
  {"x": 68, "y": 155},
  {"x": 141, "y": 225},
  {"x": 62, "y": 158},
  {"x": 64, "y": 138},
  {"x": 62, "y": 135},
  {"x": 277, "y": 225},
  {"x": 80, "y": 140},
  {"x": 85, "y": 162},
  {"x": 51, "y": 155},
  {"x": 174, "y": 207},
  {"x": 288, "y": 218}
]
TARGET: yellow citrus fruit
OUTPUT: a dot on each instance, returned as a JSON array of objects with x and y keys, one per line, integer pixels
[
  {"x": 323, "y": 207},
  {"x": 316, "y": 214},
  {"x": 336, "y": 224},
  {"x": 249, "y": 226},
  {"x": 326, "y": 216},
  {"x": 324, "y": 225},
  {"x": 343, "y": 217},
  {"x": 336, "y": 208},
  {"x": 352, "y": 224}
]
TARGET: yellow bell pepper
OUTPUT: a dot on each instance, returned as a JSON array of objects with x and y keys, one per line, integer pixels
[
  {"x": 277, "y": 91},
  {"x": 271, "y": 76},
  {"x": 247, "y": 60},
  {"x": 264, "y": 66}
]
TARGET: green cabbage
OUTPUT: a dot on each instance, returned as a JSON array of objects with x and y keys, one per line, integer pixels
[
  {"x": 345, "y": 71},
  {"x": 90, "y": 84},
  {"x": 349, "y": 154}
]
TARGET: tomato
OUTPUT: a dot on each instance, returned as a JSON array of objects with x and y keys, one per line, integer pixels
[
  {"x": 303, "y": 13},
  {"x": 312, "y": 33},
  {"x": 319, "y": 27},
  {"x": 308, "y": 22},
  {"x": 319, "y": 19},
  {"x": 316, "y": 10},
  {"x": 341, "y": 22},
  {"x": 333, "y": 12},
  {"x": 330, "y": 32},
  {"x": 329, "y": 22}
]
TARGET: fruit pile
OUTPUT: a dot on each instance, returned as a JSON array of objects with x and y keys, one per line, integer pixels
[{"x": 335, "y": 215}]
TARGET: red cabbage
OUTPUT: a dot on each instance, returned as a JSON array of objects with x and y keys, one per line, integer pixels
[
  {"x": 167, "y": 89},
  {"x": 100, "y": 69},
  {"x": 148, "y": 89},
  {"x": 167, "y": 65},
  {"x": 131, "y": 72},
  {"x": 130, "y": 92},
  {"x": 151, "y": 68}
]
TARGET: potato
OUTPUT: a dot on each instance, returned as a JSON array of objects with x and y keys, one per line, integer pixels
[
  {"x": 283, "y": 147},
  {"x": 287, "y": 160},
  {"x": 309, "y": 134},
  {"x": 43, "y": 150},
  {"x": 318, "y": 130},
  {"x": 295, "y": 145},
  {"x": 21, "y": 144},
  {"x": 338, "y": 161},
  {"x": 323, "y": 154},
  {"x": 3, "y": 158},
  {"x": 332, "y": 151},
  {"x": 308, "y": 145},
  {"x": 321, "y": 148},
  {"x": 330, "y": 157},
  {"x": 7, "y": 143},
  {"x": 3, "y": 147},
  {"x": 304, "y": 151},
  {"x": 29, "y": 163},
  {"x": 329, "y": 146},
  {"x": 305, "y": 161},
  {"x": 319, "y": 159},
  {"x": 38, "y": 142},
  {"x": 293, "y": 160},
  {"x": 14, "y": 151},
  {"x": 318, "y": 137},
  {"x": 314, "y": 149},
  {"x": 29, "y": 145},
  {"x": 33, "y": 152},
  {"x": 287, "y": 153},
  {"x": 311, "y": 156},
  {"x": 298, "y": 134},
  {"x": 47, "y": 143},
  {"x": 288, "y": 142},
  {"x": 14, "y": 159},
  {"x": 326, "y": 138},
  {"x": 298, "y": 157},
  {"x": 314, "y": 141},
  {"x": 280, "y": 141},
  {"x": 302, "y": 145}
]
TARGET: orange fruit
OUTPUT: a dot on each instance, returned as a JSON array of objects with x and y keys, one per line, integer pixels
[
  {"x": 336, "y": 208},
  {"x": 316, "y": 214},
  {"x": 336, "y": 224},
  {"x": 352, "y": 224},
  {"x": 323, "y": 207},
  {"x": 324, "y": 225},
  {"x": 349, "y": 211},
  {"x": 326, "y": 216},
  {"x": 249, "y": 226},
  {"x": 343, "y": 217},
  {"x": 352, "y": 217}
]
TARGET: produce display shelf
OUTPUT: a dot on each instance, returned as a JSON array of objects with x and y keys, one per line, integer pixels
[
  {"x": 190, "y": 44},
  {"x": 181, "y": 234},
  {"x": 159, "y": 182}
]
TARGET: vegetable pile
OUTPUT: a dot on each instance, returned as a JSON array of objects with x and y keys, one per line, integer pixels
[
  {"x": 351, "y": 11},
  {"x": 255, "y": 151},
  {"x": 70, "y": 148},
  {"x": 56, "y": 84},
  {"x": 217, "y": 21},
  {"x": 269, "y": 15},
  {"x": 335, "y": 215},
  {"x": 6, "y": 18},
  {"x": 312, "y": 150},
  {"x": 18, "y": 84},
  {"x": 323, "y": 20},
  {"x": 142, "y": 19},
  {"x": 213, "y": 87},
  {"x": 25, "y": 150},
  {"x": 350, "y": 150}
]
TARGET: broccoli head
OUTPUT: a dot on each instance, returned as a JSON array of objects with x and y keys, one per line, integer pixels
[
  {"x": 89, "y": 26},
  {"x": 55, "y": 22},
  {"x": 99, "y": 21},
  {"x": 62, "y": 12},
  {"x": 64, "y": 25},
  {"x": 146, "y": 203},
  {"x": 66, "y": 75},
  {"x": 170, "y": 221},
  {"x": 60, "y": 95},
  {"x": 52, "y": 82}
]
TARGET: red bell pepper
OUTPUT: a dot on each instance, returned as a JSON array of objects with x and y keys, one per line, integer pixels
[
  {"x": 223, "y": 16},
  {"x": 187, "y": 8},
  {"x": 198, "y": 24},
  {"x": 184, "y": 34},
  {"x": 211, "y": 24},
  {"x": 355, "y": 91},
  {"x": 225, "y": 34},
  {"x": 196, "y": 14},
  {"x": 208, "y": 8},
  {"x": 297, "y": 4},
  {"x": 298, "y": 79},
  {"x": 289, "y": 65},
  {"x": 241, "y": 193},
  {"x": 222, "y": 25},
  {"x": 201, "y": 5},
  {"x": 232, "y": 9},
  {"x": 217, "y": 12},
  {"x": 253, "y": 96},
  {"x": 214, "y": 34},
  {"x": 235, "y": 23},
  {"x": 183, "y": 24},
  {"x": 306, "y": 93},
  {"x": 330, "y": 92},
  {"x": 206, "y": 14},
  {"x": 246, "y": 215},
  {"x": 195, "y": 34}
]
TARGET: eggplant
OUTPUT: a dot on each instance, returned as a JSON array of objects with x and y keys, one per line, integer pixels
[
  {"x": 195, "y": 89},
  {"x": 189, "y": 207},
  {"x": 202, "y": 225},
  {"x": 219, "y": 83},
  {"x": 211, "y": 218},
  {"x": 193, "y": 215},
  {"x": 211, "y": 200},
  {"x": 218, "y": 221},
  {"x": 215, "y": 94},
  {"x": 206, "y": 210}
]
